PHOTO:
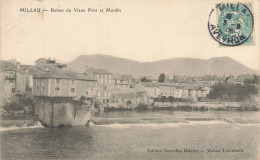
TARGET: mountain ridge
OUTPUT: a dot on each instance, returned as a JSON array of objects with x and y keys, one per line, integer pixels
[{"x": 173, "y": 66}]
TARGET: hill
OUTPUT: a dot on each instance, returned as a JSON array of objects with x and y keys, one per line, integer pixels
[{"x": 177, "y": 66}]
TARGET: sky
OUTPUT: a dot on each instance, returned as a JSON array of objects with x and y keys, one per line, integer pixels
[{"x": 143, "y": 31}]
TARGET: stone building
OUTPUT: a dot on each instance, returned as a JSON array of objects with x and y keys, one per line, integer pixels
[
  {"x": 58, "y": 94},
  {"x": 63, "y": 83}
]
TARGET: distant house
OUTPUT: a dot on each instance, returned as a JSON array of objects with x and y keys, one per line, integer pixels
[
  {"x": 198, "y": 93},
  {"x": 104, "y": 83},
  {"x": 235, "y": 81},
  {"x": 152, "y": 89},
  {"x": 184, "y": 91},
  {"x": 120, "y": 82},
  {"x": 129, "y": 99},
  {"x": 12, "y": 80},
  {"x": 170, "y": 89}
]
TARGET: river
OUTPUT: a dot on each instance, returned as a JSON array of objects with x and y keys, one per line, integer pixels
[{"x": 141, "y": 135}]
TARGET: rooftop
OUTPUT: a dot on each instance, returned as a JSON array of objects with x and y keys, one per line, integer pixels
[
  {"x": 128, "y": 95},
  {"x": 98, "y": 71},
  {"x": 32, "y": 69},
  {"x": 7, "y": 66},
  {"x": 63, "y": 74}
]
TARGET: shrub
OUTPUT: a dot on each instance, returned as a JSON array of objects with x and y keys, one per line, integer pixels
[
  {"x": 97, "y": 104},
  {"x": 128, "y": 102},
  {"x": 142, "y": 107},
  {"x": 12, "y": 106}
]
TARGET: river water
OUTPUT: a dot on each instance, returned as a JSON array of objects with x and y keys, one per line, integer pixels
[{"x": 141, "y": 135}]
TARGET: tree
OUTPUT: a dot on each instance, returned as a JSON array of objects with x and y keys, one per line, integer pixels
[
  {"x": 144, "y": 79},
  {"x": 162, "y": 78},
  {"x": 128, "y": 102},
  {"x": 254, "y": 80},
  {"x": 171, "y": 99},
  {"x": 233, "y": 92},
  {"x": 163, "y": 98},
  {"x": 250, "y": 90}
]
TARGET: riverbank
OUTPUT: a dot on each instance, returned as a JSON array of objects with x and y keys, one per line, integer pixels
[
  {"x": 183, "y": 117},
  {"x": 26, "y": 120},
  {"x": 19, "y": 120},
  {"x": 186, "y": 106}
]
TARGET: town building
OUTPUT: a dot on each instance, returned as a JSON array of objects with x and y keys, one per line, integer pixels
[
  {"x": 152, "y": 89},
  {"x": 104, "y": 83},
  {"x": 174, "y": 90},
  {"x": 50, "y": 63},
  {"x": 59, "y": 93},
  {"x": 63, "y": 83},
  {"x": 30, "y": 70},
  {"x": 12, "y": 81},
  {"x": 42, "y": 65},
  {"x": 198, "y": 93},
  {"x": 130, "y": 99},
  {"x": 236, "y": 81},
  {"x": 120, "y": 82},
  {"x": 184, "y": 91}
]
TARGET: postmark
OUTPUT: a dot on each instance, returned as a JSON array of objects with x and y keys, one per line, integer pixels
[{"x": 231, "y": 24}]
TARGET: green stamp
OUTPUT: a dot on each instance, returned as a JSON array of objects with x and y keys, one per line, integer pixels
[{"x": 233, "y": 25}]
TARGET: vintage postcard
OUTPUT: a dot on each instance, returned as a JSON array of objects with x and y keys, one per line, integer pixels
[{"x": 130, "y": 79}]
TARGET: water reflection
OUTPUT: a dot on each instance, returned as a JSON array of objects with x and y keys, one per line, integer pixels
[{"x": 53, "y": 143}]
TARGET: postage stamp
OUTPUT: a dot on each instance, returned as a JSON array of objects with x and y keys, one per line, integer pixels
[{"x": 232, "y": 24}]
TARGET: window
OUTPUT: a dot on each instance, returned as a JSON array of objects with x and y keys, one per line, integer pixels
[
  {"x": 37, "y": 89},
  {"x": 57, "y": 81},
  {"x": 72, "y": 90},
  {"x": 57, "y": 89},
  {"x": 11, "y": 81},
  {"x": 42, "y": 89},
  {"x": 13, "y": 90},
  {"x": 86, "y": 93}
]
